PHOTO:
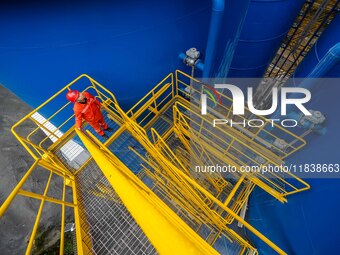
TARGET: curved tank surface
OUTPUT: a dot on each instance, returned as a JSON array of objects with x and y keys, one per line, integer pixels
[
  {"x": 309, "y": 222},
  {"x": 327, "y": 40},
  {"x": 126, "y": 45},
  {"x": 266, "y": 24}
]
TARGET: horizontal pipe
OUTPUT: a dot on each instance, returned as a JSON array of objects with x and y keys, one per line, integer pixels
[
  {"x": 46, "y": 198},
  {"x": 182, "y": 56},
  {"x": 199, "y": 64}
]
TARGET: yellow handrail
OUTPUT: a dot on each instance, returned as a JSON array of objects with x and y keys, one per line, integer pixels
[
  {"x": 41, "y": 197},
  {"x": 15, "y": 191},
  {"x": 253, "y": 136},
  {"x": 25, "y": 141},
  {"x": 247, "y": 144}
]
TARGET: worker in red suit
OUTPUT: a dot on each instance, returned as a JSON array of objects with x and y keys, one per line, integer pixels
[{"x": 87, "y": 107}]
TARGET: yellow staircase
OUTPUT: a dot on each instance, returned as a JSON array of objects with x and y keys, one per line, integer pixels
[{"x": 138, "y": 192}]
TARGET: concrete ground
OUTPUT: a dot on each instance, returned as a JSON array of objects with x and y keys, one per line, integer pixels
[{"x": 17, "y": 222}]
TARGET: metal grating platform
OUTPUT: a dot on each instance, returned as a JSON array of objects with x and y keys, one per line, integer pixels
[
  {"x": 110, "y": 227},
  {"x": 120, "y": 148}
]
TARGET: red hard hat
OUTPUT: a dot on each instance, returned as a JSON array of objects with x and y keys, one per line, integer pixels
[{"x": 72, "y": 95}]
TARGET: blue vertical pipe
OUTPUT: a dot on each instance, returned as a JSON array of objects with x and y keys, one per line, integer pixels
[{"x": 215, "y": 27}]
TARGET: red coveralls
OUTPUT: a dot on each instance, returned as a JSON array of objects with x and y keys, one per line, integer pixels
[{"x": 91, "y": 113}]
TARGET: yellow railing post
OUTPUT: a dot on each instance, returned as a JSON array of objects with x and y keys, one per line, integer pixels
[
  {"x": 37, "y": 219},
  {"x": 79, "y": 237},
  {"x": 15, "y": 191},
  {"x": 62, "y": 228}
]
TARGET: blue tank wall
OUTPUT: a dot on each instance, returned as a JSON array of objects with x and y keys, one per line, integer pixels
[
  {"x": 309, "y": 222},
  {"x": 328, "y": 39},
  {"x": 128, "y": 46},
  {"x": 266, "y": 24}
]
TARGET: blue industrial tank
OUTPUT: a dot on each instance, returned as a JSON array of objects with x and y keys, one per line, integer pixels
[
  {"x": 306, "y": 223},
  {"x": 266, "y": 24},
  {"x": 128, "y": 46}
]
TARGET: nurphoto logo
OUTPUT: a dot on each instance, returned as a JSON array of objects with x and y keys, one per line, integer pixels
[{"x": 239, "y": 105}]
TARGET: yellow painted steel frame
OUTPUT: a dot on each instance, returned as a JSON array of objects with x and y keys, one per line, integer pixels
[
  {"x": 259, "y": 145},
  {"x": 175, "y": 193},
  {"x": 242, "y": 187},
  {"x": 167, "y": 232},
  {"x": 254, "y": 136},
  {"x": 222, "y": 136},
  {"x": 38, "y": 149},
  {"x": 216, "y": 181},
  {"x": 224, "y": 110},
  {"x": 45, "y": 157},
  {"x": 136, "y": 121},
  {"x": 229, "y": 233},
  {"x": 171, "y": 91},
  {"x": 67, "y": 179},
  {"x": 239, "y": 200},
  {"x": 151, "y": 104},
  {"x": 187, "y": 184}
]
